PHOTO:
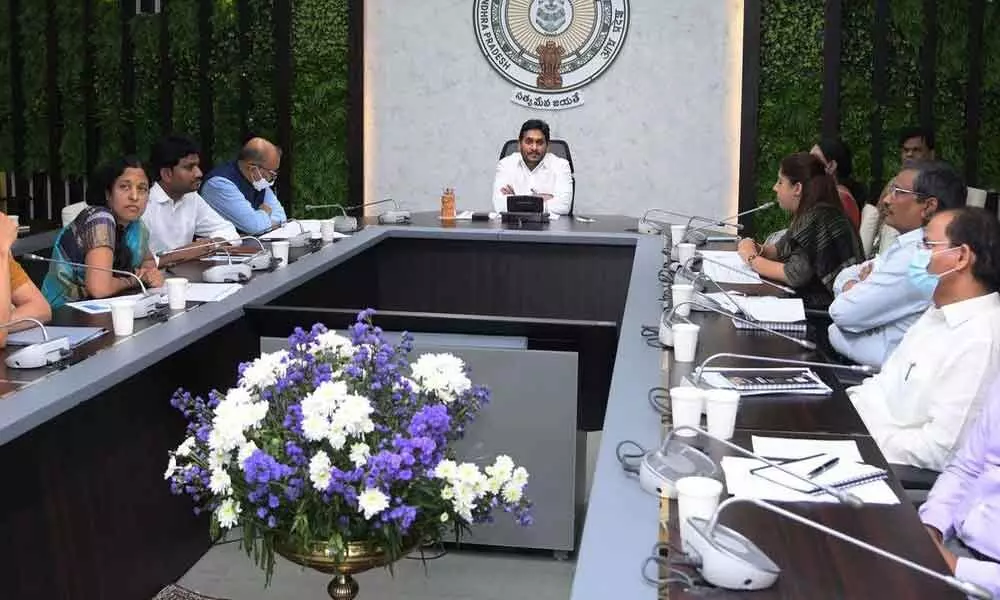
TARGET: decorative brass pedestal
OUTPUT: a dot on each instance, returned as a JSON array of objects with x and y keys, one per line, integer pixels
[{"x": 358, "y": 557}]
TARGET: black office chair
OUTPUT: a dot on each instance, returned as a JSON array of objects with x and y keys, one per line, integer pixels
[
  {"x": 558, "y": 147},
  {"x": 916, "y": 482}
]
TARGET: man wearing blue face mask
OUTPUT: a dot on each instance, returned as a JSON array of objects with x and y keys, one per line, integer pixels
[
  {"x": 241, "y": 192},
  {"x": 876, "y": 302},
  {"x": 931, "y": 386}
]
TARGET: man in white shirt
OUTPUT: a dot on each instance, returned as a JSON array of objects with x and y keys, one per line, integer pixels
[
  {"x": 875, "y": 303},
  {"x": 534, "y": 172},
  {"x": 176, "y": 214},
  {"x": 931, "y": 387}
]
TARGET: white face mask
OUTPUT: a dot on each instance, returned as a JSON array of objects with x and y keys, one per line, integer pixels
[{"x": 262, "y": 183}]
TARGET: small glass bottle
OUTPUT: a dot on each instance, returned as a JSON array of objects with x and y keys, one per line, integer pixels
[{"x": 448, "y": 205}]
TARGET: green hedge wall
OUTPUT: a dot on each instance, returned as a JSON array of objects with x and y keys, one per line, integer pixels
[
  {"x": 791, "y": 87},
  {"x": 319, "y": 93}
]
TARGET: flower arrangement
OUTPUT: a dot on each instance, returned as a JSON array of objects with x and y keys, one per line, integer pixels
[{"x": 341, "y": 440}]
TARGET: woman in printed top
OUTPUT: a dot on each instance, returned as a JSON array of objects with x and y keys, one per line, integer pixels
[
  {"x": 107, "y": 235},
  {"x": 837, "y": 157},
  {"x": 820, "y": 240},
  {"x": 19, "y": 297}
]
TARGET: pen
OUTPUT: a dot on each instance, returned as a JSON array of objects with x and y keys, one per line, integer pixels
[{"x": 823, "y": 467}]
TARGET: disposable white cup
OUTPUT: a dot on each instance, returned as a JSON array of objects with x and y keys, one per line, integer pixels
[
  {"x": 685, "y": 408},
  {"x": 685, "y": 252},
  {"x": 279, "y": 249},
  {"x": 16, "y": 219},
  {"x": 326, "y": 230},
  {"x": 677, "y": 234},
  {"x": 685, "y": 341},
  {"x": 696, "y": 497},
  {"x": 176, "y": 292},
  {"x": 666, "y": 335},
  {"x": 679, "y": 294},
  {"x": 123, "y": 316},
  {"x": 721, "y": 407}
]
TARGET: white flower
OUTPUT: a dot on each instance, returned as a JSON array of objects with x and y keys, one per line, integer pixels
[
  {"x": 446, "y": 469},
  {"x": 359, "y": 454},
  {"x": 499, "y": 473},
  {"x": 444, "y": 517},
  {"x": 235, "y": 414},
  {"x": 372, "y": 501},
  {"x": 186, "y": 447},
  {"x": 219, "y": 482},
  {"x": 318, "y": 408},
  {"x": 513, "y": 490},
  {"x": 354, "y": 415},
  {"x": 227, "y": 514},
  {"x": 442, "y": 375},
  {"x": 319, "y": 471},
  {"x": 331, "y": 341},
  {"x": 171, "y": 468},
  {"x": 264, "y": 371}
]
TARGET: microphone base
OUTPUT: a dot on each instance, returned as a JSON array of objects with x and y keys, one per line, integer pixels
[
  {"x": 145, "y": 305},
  {"x": 394, "y": 217},
  {"x": 261, "y": 261},
  {"x": 39, "y": 355},
  {"x": 344, "y": 224},
  {"x": 235, "y": 273},
  {"x": 729, "y": 560}
]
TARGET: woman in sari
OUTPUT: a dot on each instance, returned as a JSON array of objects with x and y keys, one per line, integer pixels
[
  {"x": 820, "y": 240},
  {"x": 106, "y": 235}
]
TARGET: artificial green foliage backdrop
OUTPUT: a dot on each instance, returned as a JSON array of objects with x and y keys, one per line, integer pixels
[
  {"x": 792, "y": 81},
  {"x": 319, "y": 84}
]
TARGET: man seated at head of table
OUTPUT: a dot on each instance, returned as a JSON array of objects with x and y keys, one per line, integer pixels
[
  {"x": 932, "y": 385},
  {"x": 240, "y": 190},
  {"x": 876, "y": 302},
  {"x": 176, "y": 214},
  {"x": 820, "y": 240},
  {"x": 534, "y": 171},
  {"x": 108, "y": 234},
  {"x": 960, "y": 513},
  {"x": 19, "y": 298}
]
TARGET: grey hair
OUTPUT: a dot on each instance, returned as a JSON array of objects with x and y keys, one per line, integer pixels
[{"x": 939, "y": 179}]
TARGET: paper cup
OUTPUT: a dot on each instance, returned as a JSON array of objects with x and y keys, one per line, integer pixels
[
  {"x": 666, "y": 335},
  {"x": 685, "y": 252},
  {"x": 123, "y": 316},
  {"x": 696, "y": 497},
  {"x": 677, "y": 234},
  {"x": 679, "y": 294},
  {"x": 722, "y": 406},
  {"x": 16, "y": 219},
  {"x": 326, "y": 230},
  {"x": 279, "y": 249},
  {"x": 685, "y": 408},
  {"x": 685, "y": 341},
  {"x": 176, "y": 292}
]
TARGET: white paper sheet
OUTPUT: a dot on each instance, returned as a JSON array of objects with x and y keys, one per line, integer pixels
[
  {"x": 211, "y": 292},
  {"x": 730, "y": 267},
  {"x": 772, "y": 310},
  {"x": 797, "y": 448},
  {"x": 742, "y": 483},
  {"x": 97, "y": 307}
]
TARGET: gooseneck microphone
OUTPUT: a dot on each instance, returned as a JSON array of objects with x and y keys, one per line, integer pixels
[
  {"x": 754, "y": 324},
  {"x": 393, "y": 216},
  {"x": 39, "y": 354},
  {"x": 760, "y": 279},
  {"x": 700, "y": 239},
  {"x": 699, "y": 275},
  {"x": 730, "y": 560},
  {"x": 784, "y": 361},
  {"x": 143, "y": 305}
]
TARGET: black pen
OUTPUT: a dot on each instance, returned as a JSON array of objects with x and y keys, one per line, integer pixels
[{"x": 823, "y": 467}]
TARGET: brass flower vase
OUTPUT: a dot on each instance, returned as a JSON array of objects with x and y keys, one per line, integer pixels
[{"x": 358, "y": 557}]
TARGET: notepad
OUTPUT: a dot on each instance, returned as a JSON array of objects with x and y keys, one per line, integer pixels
[
  {"x": 211, "y": 292},
  {"x": 842, "y": 475},
  {"x": 740, "y": 482},
  {"x": 730, "y": 267},
  {"x": 758, "y": 381},
  {"x": 77, "y": 335}
]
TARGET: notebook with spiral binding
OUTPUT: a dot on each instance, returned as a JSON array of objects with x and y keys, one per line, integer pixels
[
  {"x": 793, "y": 326},
  {"x": 758, "y": 381},
  {"x": 843, "y": 475}
]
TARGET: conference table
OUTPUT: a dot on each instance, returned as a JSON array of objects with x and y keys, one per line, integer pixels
[{"x": 84, "y": 444}]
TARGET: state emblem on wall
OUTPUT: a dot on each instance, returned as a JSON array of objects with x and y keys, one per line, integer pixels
[{"x": 550, "y": 49}]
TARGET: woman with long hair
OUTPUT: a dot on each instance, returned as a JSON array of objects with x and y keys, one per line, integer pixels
[
  {"x": 820, "y": 240},
  {"x": 106, "y": 235},
  {"x": 839, "y": 163}
]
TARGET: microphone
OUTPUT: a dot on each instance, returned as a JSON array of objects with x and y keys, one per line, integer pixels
[
  {"x": 646, "y": 226},
  {"x": 389, "y": 217},
  {"x": 760, "y": 279},
  {"x": 785, "y": 361},
  {"x": 841, "y": 496},
  {"x": 731, "y": 561},
  {"x": 804, "y": 343},
  {"x": 698, "y": 275},
  {"x": 229, "y": 272},
  {"x": 702, "y": 239},
  {"x": 144, "y": 305},
  {"x": 40, "y": 354}
]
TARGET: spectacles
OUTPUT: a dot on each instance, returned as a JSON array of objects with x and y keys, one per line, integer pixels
[
  {"x": 929, "y": 244},
  {"x": 270, "y": 174},
  {"x": 897, "y": 191}
]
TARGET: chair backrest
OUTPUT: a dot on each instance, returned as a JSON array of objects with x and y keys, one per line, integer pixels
[{"x": 558, "y": 147}]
